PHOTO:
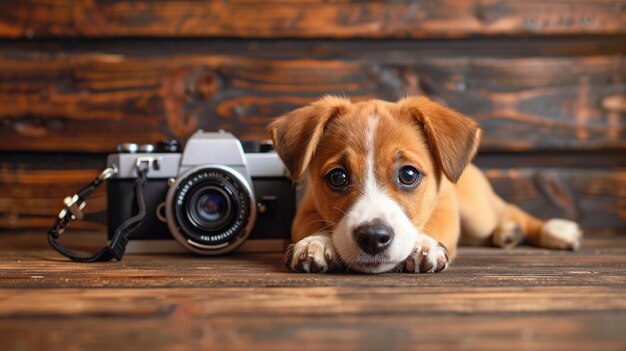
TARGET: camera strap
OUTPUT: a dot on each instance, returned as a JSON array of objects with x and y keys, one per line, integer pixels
[{"x": 73, "y": 210}]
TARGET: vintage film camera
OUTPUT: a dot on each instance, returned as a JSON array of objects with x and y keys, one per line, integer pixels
[{"x": 210, "y": 199}]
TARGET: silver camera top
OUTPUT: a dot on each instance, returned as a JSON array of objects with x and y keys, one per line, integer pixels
[{"x": 218, "y": 148}]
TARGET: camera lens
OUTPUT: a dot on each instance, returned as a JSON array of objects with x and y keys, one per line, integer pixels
[
  {"x": 210, "y": 209},
  {"x": 211, "y": 206}
]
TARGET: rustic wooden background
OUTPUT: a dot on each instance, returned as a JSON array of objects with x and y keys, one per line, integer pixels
[{"x": 546, "y": 80}]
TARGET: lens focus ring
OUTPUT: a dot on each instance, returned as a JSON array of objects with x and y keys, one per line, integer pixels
[{"x": 211, "y": 207}]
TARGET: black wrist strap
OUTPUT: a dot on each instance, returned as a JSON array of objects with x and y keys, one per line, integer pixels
[{"x": 73, "y": 210}]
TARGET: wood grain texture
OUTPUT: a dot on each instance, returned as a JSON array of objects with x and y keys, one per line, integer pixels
[
  {"x": 32, "y": 189},
  {"x": 489, "y": 299},
  {"x": 580, "y": 332},
  {"x": 32, "y": 199},
  {"x": 102, "y": 99},
  {"x": 328, "y": 300},
  {"x": 310, "y": 19},
  {"x": 594, "y": 198},
  {"x": 30, "y": 263}
]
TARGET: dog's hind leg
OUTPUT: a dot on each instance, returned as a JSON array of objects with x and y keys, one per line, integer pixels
[{"x": 487, "y": 219}]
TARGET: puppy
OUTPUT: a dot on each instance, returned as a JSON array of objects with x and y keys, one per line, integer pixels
[{"x": 390, "y": 187}]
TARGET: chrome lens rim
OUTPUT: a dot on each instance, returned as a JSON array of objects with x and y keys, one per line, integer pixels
[{"x": 204, "y": 247}]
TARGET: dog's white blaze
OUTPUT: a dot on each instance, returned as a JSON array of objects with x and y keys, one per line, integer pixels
[
  {"x": 371, "y": 188},
  {"x": 374, "y": 203}
]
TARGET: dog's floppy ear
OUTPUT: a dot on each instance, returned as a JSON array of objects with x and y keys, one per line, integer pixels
[
  {"x": 296, "y": 134},
  {"x": 452, "y": 137}
]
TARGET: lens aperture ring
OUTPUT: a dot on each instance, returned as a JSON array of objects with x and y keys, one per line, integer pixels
[{"x": 197, "y": 206}]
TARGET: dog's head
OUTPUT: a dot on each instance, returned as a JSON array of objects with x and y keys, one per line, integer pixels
[{"x": 376, "y": 169}]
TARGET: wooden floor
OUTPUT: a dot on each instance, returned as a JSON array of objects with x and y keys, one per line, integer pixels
[{"x": 490, "y": 299}]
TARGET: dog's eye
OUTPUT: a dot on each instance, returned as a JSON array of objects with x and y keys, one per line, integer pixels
[
  {"x": 337, "y": 179},
  {"x": 409, "y": 175}
]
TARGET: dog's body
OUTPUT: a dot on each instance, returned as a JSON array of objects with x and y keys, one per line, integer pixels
[{"x": 389, "y": 186}]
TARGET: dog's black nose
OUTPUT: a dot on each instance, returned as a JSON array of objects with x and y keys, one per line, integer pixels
[{"x": 373, "y": 237}]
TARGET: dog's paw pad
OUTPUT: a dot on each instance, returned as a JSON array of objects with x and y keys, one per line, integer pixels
[
  {"x": 561, "y": 234},
  {"x": 313, "y": 254},
  {"x": 429, "y": 256},
  {"x": 507, "y": 235}
]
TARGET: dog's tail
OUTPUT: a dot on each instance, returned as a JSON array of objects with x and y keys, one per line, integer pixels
[{"x": 516, "y": 226}]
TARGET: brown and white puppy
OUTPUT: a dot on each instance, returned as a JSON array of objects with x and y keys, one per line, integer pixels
[{"x": 389, "y": 186}]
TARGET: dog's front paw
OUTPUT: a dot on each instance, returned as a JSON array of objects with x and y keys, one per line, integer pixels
[
  {"x": 313, "y": 254},
  {"x": 428, "y": 256},
  {"x": 560, "y": 234}
]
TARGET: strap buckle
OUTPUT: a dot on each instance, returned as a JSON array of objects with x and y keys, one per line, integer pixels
[{"x": 74, "y": 204}]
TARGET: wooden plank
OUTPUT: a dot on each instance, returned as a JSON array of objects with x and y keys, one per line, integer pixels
[
  {"x": 101, "y": 99},
  {"x": 404, "y": 50},
  {"x": 29, "y": 262},
  {"x": 527, "y": 267},
  {"x": 594, "y": 198},
  {"x": 31, "y": 194},
  {"x": 600, "y": 331},
  {"x": 489, "y": 299},
  {"x": 31, "y": 199},
  {"x": 310, "y": 19},
  {"x": 329, "y": 301}
]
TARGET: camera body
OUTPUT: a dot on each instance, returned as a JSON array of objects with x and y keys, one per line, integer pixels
[{"x": 211, "y": 198}]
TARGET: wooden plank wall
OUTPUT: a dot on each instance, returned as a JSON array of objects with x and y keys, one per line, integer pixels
[{"x": 545, "y": 79}]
